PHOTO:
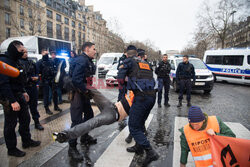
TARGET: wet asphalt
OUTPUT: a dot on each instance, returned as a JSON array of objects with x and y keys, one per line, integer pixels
[{"x": 231, "y": 102}]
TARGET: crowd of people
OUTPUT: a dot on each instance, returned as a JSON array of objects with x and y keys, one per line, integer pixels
[{"x": 137, "y": 96}]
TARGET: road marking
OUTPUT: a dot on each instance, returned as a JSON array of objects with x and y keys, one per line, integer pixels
[
  {"x": 239, "y": 130},
  {"x": 116, "y": 152}
]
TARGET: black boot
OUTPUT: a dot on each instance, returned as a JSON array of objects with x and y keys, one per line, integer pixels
[
  {"x": 74, "y": 153},
  {"x": 31, "y": 143},
  {"x": 166, "y": 104},
  {"x": 87, "y": 139},
  {"x": 56, "y": 108},
  {"x": 151, "y": 155},
  {"x": 129, "y": 139},
  {"x": 179, "y": 104},
  {"x": 48, "y": 111},
  {"x": 189, "y": 104},
  {"x": 38, "y": 125},
  {"x": 16, "y": 152},
  {"x": 135, "y": 149},
  {"x": 159, "y": 105}
]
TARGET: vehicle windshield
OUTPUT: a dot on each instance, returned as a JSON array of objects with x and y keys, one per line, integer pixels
[
  {"x": 114, "y": 67},
  {"x": 198, "y": 64},
  {"x": 106, "y": 60}
]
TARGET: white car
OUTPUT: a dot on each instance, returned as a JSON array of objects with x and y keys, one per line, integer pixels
[
  {"x": 111, "y": 76},
  {"x": 204, "y": 77}
]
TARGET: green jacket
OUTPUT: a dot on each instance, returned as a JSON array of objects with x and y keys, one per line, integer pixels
[{"x": 224, "y": 131}]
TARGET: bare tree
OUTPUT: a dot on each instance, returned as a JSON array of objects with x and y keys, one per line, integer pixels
[{"x": 216, "y": 17}]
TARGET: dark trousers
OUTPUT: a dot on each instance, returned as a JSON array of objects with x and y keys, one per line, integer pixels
[
  {"x": 79, "y": 105},
  {"x": 33, "y": 94},
  {"x": 185, "y": 83},
  {"x": 138, "y": 114},
  {"x": 46, "y": 86},
  {"x": 10, "y": 122},
  {"x": 163, "y": 82},
  {"x": 122, "y": 91}
]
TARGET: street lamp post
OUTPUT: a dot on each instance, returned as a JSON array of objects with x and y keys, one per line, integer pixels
[{"x": 232, "y": 29}]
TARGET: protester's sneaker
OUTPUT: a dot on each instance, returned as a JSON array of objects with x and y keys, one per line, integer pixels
[
  {"x": 74, "y": 153},
  {"x": 31, "y": 143},
  {"x": 16, "y": 152}
]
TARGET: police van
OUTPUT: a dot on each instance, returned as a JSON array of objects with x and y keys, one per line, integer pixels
[
  {"x": 231, "y": 65},
  {"x": 204, "y": 77}
]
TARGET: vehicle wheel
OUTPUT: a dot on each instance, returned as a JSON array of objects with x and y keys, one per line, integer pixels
[
  {"x": 176, "y": 89},
  {"x": 207, "y": 91}
]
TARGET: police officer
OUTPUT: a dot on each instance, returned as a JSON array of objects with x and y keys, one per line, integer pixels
[
  {"x": 162, "y": 72},
  {"x": 46, "y": 70},
  {"x": 59, "y": 83},
  {"x": 14, "y": 99},
  {"x": 81, "y": 73},
  {"x": 122, "y": 88},
  {"x": 31, "y": 78},
  {"x": 185, "y": 72},
  {"x": 141, "y": 82}
]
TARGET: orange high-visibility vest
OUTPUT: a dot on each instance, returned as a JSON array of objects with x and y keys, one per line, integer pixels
[
  {"x": 8, "y": 70},
  {"x": 130, "y": 99},
  {"x": 199, "y": 142}
]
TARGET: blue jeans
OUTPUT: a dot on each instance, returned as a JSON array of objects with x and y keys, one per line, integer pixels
[{"x": 138, "y": 114}]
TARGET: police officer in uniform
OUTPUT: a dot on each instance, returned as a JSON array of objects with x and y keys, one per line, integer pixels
[
  {"x": 122, "y": 89},
  {"x": 141, "y": 82},
  {"x": 14, "y": 99},
  {"x": 46, "y": 70},
  {"x": 31, "y": 78},
  {"x": 81, "y": 74},
  {"x": 185, "y": 72},
  {"x": 162, "y": 72}
]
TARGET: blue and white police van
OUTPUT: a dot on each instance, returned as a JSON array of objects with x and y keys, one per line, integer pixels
[
  {"x": 231, "y": 65},
  {"x": 204, "y": 77}
]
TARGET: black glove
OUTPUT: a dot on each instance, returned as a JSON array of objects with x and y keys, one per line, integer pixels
[{"x": 60, "y": 137}]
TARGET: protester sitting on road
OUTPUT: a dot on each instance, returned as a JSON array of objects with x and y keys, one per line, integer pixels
[
  {"x": 110, "y": 113},
  {"x": 195, "y": 136}
]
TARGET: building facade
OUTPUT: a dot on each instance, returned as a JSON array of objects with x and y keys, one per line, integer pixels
[{"x": 61, "y": 19}]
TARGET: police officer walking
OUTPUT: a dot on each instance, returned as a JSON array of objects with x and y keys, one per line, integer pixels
[
  {"x": 46, "y": 70},
  {"x": 185, "y": 72},
  {"x": 82, "y": 72},
  {"x": 31, "y": 78},
  {"x": 141, "y": 82},
  {"x": 14, "y": 100},
  {"x": 162, "y": 72},
  {"x": 122, "y": 88}
]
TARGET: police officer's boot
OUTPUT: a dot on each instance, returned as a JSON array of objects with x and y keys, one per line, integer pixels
[
  {"x": 129, "y": 138},
  {"x": 38, "y": 125},
  {"x": 189, "y": 104},
  {"x": 179, "y": 104},
  {"x": 16, "y": 152},
  {"x": 74, "y": 153},
  {"x": 135, "y": 149},
  {"x": 56, "y": 108},
  {"x": 87, "y": 139},
  {"x": 151, "y": 155},
  {"x": 48, "y": 111}
]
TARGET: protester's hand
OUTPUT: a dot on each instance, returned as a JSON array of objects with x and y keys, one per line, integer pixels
[
  {"x": 26, "y": 96},
  {"x": 210, "y": 132},
  {"x": 15, "y": 106},
  {"x": 34, "y": 78}
]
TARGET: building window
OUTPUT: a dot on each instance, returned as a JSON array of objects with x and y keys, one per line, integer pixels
[
  {"x": 58, "y": 17},
  {"x": 7, "y": 3},
  {"x": 31, "y": 27},
  {"x": 79, "y": 15},
  {"x": 49, "y": 2},
  {"x": 37, "y": 4},
  {"x": 66, "y": 33},
  {"x": 80, "y": 38},
  {"x": 21, "y": 10},
  {"x": 66, "y": 11},
  {"x": 7, "y": 18},
  {"x": 83, "y": 28},
  {"x": 49, "y": 14},
  {"x": 29, "y": 2},
  {"x": 73, "y": 24},
  {"x": 7, "y": 32},
  {"x": 22, "y": 23},
  {"x": 39, "y": 28},
  {"x": 58, "y": 31},
  {"x": 79, "y": 26},
  {"x": 73, "y": 35},
  {"x": 30, "y": 12},
  {"x": 49, "y": 29},
  {"x": 58, "y": 7},
  {"x": 66, "y": 21}
]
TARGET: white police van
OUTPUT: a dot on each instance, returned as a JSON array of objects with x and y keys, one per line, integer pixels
[
  {"x": 231, "y": 65},
  {"x": 204, "y": 77}
]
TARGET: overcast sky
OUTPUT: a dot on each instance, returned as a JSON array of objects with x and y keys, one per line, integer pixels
[{"x": 169, "y": 24}]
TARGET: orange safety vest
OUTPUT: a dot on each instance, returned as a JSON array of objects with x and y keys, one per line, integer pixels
[
  {"x": 199, "y": 142},
  {"x": 130, "y": 98},
  {"x": 8, "y": 70}
]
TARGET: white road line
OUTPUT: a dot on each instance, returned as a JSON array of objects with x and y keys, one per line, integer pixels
[
  {"x": 239, "y": 130},
  {"x": 116, "y": 154}
]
